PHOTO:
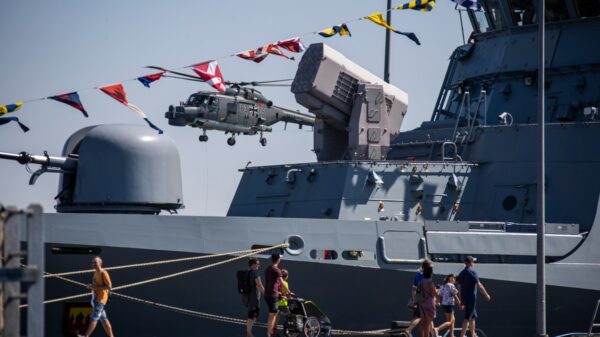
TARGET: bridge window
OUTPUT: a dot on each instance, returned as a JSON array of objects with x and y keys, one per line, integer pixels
[
  {"x": 481, "y": 22},
  {"x": 523, "y": 12},
  {"x": 587, "y": 8},
  {"x": 494, "y": 11},
  {"x": 556, "y": 10}
]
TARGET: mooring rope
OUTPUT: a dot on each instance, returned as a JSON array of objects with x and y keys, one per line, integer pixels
[
  {"x": 149, "y": 264},
  {"x": 189, "y": 312},
  {"x": 165, "y": 277},
  {"x": 218, "y": 318}
]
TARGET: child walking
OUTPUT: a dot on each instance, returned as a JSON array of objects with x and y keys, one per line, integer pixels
[{"x": 448, "y": 293}]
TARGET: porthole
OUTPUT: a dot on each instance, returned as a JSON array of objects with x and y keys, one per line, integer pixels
[
  {"x": 509, "y": 203},
  {"x": 295, "y": 245},
  {"x": 323, "y": 254},
  {"x": 357, "y": 254}
]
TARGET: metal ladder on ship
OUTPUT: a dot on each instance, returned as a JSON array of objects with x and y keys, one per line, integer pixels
[{"x": 593, "y": 323}]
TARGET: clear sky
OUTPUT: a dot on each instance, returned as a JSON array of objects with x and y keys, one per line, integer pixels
[{"x": 55, "y": 47}]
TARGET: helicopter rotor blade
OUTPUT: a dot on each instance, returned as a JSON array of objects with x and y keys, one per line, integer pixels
[
  {"x": 271, "y": 85},
  {"x": 176, "y": 73},
  {"x": 184, "y": 78}
]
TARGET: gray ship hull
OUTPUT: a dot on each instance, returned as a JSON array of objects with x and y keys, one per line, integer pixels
[
  {"x": 354, "y": 299},
  {"x": 361, "y": 294}
]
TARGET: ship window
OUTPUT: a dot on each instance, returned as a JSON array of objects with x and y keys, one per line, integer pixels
[
  {"x": 556, "y": 10},
  {"x": 523, "y": 12},
  {"x": 75, "y": 250},
  {"x": 482, "y": 24},
  {"x": 509, "y": 203},
  {"x": 494, "y": 11},
  {"x": 323, "y": 254},
  {"x": 587, "y": 8},
  {"x": 358, "y": 254}
]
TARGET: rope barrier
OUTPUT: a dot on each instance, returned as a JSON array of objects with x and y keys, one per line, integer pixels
[
  {"x": 189, "y": 312},
  {"x": 165, "y": 277},
  {"x": 148, "y": 264},
  {"x": 218, "y": 318}
]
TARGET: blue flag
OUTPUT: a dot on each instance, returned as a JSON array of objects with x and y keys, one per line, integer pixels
[
  {"x": 470, "y": 4},
  {"x": 146, "y": 80},
  {"x": 5, "y": 120}
]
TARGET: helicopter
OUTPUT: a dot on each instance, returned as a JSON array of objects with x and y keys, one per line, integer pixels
[{"x": 239, "y": 110}]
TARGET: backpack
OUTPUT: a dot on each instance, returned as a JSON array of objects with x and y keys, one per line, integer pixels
[
  {"x": 243, "y": 282},
  {"x": 420, "y": 295}
]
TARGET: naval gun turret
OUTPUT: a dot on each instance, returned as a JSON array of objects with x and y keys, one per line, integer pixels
[
  {"x": 357, "y": 112},
  {"x": 112, "y": 169}
]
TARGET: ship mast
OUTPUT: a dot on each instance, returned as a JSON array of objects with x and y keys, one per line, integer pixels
[
  {"x": 386, "y": 62},
  {"x": 541, "y": 178}
]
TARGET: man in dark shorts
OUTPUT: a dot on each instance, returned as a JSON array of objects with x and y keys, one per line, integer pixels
[
  {"x": 273, "y": 278},
  {"x": 253, "y": 299},
  {"x": 468, "y": 284},
  {"x": 416, "y": 319}
]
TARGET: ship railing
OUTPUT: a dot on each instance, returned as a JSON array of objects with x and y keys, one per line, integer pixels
[
  {"x": 455, "y": 156},
  {"x": 467, "y": 136},
  {"x": 465, "y": 103},
  {"x": 593, "y": 323}
]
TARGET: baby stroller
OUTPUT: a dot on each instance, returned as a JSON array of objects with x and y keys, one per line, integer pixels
[{"x": 304, "y": 318}]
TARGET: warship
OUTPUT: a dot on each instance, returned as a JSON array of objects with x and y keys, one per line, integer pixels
[{"x": 359, "y": 220}]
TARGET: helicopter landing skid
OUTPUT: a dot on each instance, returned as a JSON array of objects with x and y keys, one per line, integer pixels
[
  {"x": 262, "y": 140},
  {"x": 231, "y": 141},
  {"x": 203, "y": 137}
]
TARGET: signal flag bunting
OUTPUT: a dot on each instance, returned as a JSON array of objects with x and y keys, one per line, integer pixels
[{"x": 117, "y": 92}]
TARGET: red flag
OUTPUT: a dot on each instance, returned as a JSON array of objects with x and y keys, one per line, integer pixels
[
  {"x": 117, "y": 92},
  {"x": 146, "y": 80},
  {"x": 252, "y": 55},
  {"x": 210, "y": 72},
  {"x": 294, "y": 45},
  {"x": 262, "y": 52},
  {"x": 273, "y": 49}
]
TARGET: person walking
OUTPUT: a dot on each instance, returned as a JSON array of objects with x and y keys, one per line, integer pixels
[
  {"x": 428, "y": 303},
  {"x": 416, "y": 319},
  {"x": 449, "y": 295},
  {"x": 468, "y": 284},
  {"x": 100, "y": 286},
  {"x": 273, "y": 280},
  {"x": 253, "y": 299}
]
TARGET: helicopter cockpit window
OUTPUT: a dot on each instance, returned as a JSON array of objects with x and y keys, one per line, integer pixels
[
  {"x": 556, "y": 10},
  {"x": 198, "y": 100},
  {"x": 587, "y": 8},
  {"x": 523, "y": 12}
]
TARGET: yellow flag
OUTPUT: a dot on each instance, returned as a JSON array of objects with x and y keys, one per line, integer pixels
[
  {"x": 418, "y": 5},
  {"x": 341, "y": 29},
  {"x": 378, "y": 19},
  {"x": 4, "y": 109}
]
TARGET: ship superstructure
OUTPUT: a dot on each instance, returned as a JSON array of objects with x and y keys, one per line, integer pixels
[{"x": 378, "y": 200}]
